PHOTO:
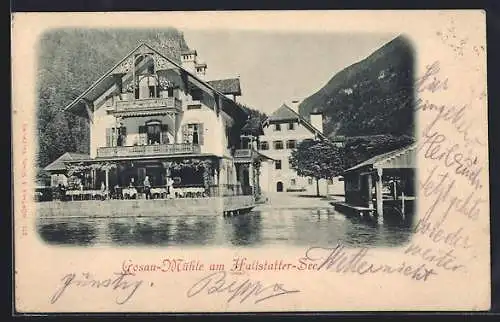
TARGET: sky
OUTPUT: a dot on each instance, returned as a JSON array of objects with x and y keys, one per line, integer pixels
[{"x": 276, "y": 68}]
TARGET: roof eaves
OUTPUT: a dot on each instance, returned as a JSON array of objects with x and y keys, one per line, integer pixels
[
  {"x": 81, "y": 96},
  {"x": 76, "y": 100},
  {"x": 377, "y": 159}
]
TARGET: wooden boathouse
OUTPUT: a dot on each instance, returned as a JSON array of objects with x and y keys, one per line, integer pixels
[{"x": 385, "y": 182}]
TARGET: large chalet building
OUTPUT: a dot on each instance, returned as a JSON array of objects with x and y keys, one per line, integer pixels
[{"x": 152, "y": 116}]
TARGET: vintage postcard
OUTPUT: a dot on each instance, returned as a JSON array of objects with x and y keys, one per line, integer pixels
[{"x": 250, "y": 161}]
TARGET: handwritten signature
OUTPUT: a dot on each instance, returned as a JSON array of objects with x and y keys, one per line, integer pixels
[
  {"x": 218, "y": 283},
  {"x": 119, "y": 282},
  {"x": 341, "y": 260}
]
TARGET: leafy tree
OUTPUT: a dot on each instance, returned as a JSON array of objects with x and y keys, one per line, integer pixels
[{"x": 317, "y": 159}]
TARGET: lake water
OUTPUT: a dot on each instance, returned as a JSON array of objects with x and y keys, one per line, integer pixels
[{"x": 265, "y": 226}]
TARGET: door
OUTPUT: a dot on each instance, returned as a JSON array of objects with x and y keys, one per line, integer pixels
[
  {"x": 154, "y": 133},
  {"x": 279, "y": 186}
]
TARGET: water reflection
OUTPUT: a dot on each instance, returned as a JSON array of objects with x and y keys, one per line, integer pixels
[
  {"x": 245, "y": 230},
  {"x": 301, "y": 227},
  {"x": 78, "y": 233}
]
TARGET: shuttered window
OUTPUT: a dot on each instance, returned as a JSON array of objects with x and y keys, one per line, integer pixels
[
  {"x": 109, "y": 137},
  {"x": 164, "y": 133},
  {"x": 116, "y": 137},
  {"x": 122, "y": 138},
  {"x": 200, "y": 133},
  {"x": 143, "y": 135},
  {"x": 193, "y": 133}
]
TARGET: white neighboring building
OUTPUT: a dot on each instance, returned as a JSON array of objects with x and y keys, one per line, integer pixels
[{"x": 283, "y": 130}]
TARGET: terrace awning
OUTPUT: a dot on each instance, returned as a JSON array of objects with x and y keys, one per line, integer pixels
[{"x": 403, "y": 158}]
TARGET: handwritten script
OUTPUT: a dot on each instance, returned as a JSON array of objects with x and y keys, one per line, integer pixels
[
  {"x": 341, "y": 260},
  {"x": 454, "y": 156},
  {"x": 119, "y": 282},
  {"x": 219, "y": 283}
]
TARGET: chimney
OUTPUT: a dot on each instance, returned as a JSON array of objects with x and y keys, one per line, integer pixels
[
  {"x": 295, "y": 106},
  {"x": 317, "y": 120},
  {"x": 188, "y": 60},
  {"x": 201, "y": 70}
]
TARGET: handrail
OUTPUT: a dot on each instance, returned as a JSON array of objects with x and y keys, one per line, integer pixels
[{"x": 145, "y": 150}]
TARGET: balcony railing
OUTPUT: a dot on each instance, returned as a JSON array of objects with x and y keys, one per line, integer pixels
[
  {"x": 147, "y": 150},
  {"x": 243, "y": 153},
  {"x": 148, "y": 104}
]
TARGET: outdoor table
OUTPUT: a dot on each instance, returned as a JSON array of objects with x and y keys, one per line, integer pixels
[
  {"x": 188, "y": 192},
  {"x": 73, "y": 193},
  {"x": 129, "y": 193},
  {"x": 89, "y": 194},
  {"x": 159, "y": 191}
]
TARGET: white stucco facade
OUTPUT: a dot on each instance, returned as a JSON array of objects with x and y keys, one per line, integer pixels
[{"x": 277, "y": 142}]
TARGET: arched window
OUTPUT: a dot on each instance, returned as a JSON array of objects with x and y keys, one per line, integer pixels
[
  {"x": 145, "y": 77},
  {"x": 147, "y": 87}
]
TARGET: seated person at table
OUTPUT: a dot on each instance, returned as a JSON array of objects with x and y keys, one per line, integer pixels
[
  {"x": 62, "y": 192},
  {"x": 117, "y": 192},
  {"x": 103, "y": 190}
]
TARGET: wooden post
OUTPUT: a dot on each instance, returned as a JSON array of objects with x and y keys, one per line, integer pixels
[
  {"x": 257, "y": 180},
  {"x": 107, "y": 180},
  {"x": 369, "y": 192},
  {"x": 93, "y": 178},
  {"x": 378, "y": 192},
  {"x": 403, "y": 204},
  {"x": 175, "y": 128}
]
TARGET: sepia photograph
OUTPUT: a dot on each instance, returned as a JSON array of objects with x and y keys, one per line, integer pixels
[
  {"x": 244, "y": 162},
  {"x": 224, "y": 137}
]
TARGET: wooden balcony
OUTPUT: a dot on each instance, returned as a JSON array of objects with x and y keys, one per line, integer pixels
[
  {"x": 243, "y": 155},
  {"x": 147, "y": 150},
  {"x": 249, "y": 155},
  {"x": 143, "y": 107}
]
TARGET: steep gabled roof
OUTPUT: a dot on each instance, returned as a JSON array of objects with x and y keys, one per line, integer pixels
[
  {"x": 58, "y": 164},
  {"x": 285, "y": 113},
  {"x": 230, "y": 86},
  {"x": 253, "y": 126},
  {"x": 107, "y": 80},
  {"x": 189, "y": 52}
]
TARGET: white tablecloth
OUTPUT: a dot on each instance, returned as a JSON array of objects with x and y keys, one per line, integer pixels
[
  {"x": 158, "y": 190},
  {"x": 129, "y": 191},
  {"x": 183, "y": 191},
  {"x": 93, "y": 193}
]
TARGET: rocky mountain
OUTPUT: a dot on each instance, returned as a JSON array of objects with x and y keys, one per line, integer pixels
[
  {"x": 373, "y": 96},
  {"x": 69, "y": 61}
]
